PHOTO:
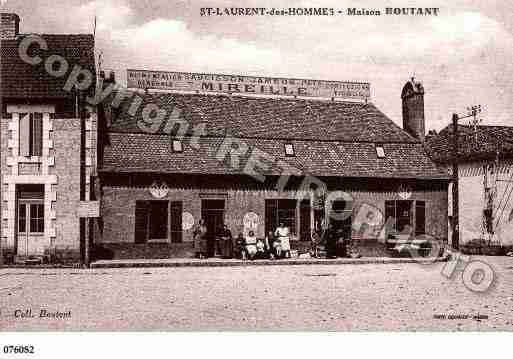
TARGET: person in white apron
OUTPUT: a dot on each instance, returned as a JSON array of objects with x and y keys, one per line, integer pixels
[
  {"x": 283, "y": 234},
  {"x": 251, "y": 245}
]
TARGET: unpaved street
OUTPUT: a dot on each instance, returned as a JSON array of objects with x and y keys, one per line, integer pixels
[{"x": 304, "y": 297}]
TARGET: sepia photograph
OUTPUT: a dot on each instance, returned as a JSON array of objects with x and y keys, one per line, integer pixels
[{"x": 255, "y": 166}]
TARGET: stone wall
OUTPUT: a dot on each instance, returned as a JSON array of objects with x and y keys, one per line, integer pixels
[{"x": 66, "y": 139}]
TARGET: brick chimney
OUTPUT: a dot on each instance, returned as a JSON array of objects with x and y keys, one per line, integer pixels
[
  {"x": 413, "y": 109},
  {"x": 9, "y": 26}
]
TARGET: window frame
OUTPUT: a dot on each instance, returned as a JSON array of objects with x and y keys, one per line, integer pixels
[
  {"x": 176, "y": 146},
  {"x": 36, "y": 134},
  {"x": 22, "y": 216},
  {"x": 30, "y": 134},
  {"x": 280, "y": 212},
  {"x": 380, "y": 151},
  {"x": 292, "y": 152},
  {"x": 414, "y": 218},
  {"x": 37, "y": 221}
]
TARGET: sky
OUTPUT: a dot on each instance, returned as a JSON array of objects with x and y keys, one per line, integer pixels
[{"x": 463, "y": 57}]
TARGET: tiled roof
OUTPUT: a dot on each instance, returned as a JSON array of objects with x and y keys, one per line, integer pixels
[
  {"x": 484, "y": 147},
  {"x": 129, "y": 152},
  {"x": 22, "y": 80},
  {"x": 276, "y": 118}
]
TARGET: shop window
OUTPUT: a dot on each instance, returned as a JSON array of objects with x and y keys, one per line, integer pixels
[
  {"x": 401, "y": 213},
  {"x": 31, "y": 134},
  {"x": 151, "y": 219},
  {"x": 280, "y": 211}
]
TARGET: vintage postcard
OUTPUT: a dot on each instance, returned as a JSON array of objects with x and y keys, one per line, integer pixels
[{"x": 255, "y": 166}]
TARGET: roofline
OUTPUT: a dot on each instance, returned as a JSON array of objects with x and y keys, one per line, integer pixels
[
  {"x": 64, "y": 34},
  {"x": 466, "y": 159},
  {"x": 269, "y": 138},
  {"x": 128, "y": 171},
  {"x": 449, "y": 126}
]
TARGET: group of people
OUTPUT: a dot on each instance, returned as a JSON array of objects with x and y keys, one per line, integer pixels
[
  {"x": 334, "y": 241},
  {"x": 274, "y": 246}
]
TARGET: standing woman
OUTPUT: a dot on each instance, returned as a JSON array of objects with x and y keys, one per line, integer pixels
[
  {"x": 331, "y": 242},
  {"x": 283, "y": 235},
  {"x": 274, "y": 246},
  {"x": 227, "y": 244},
  {"x": 200, "y": 239}
]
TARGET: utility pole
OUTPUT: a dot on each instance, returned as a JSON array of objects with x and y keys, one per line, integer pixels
[
  {"x": 472, "y": 112},
  {"x": 455, "y": 205}
]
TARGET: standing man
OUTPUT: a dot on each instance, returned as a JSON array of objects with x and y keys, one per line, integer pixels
[{"x": 331, "y": 242}]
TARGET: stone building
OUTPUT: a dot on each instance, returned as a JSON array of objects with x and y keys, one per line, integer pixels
[
  {"x": 252, "y": 162},
  {"x": 47, "y": 141},
  {"x": 485, "y": 176}
]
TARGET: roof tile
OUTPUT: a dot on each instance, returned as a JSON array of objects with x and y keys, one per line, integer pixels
[{"x": 22, "y": 80}]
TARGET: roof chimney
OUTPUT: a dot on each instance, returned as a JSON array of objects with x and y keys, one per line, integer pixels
[
  {"x": 413, "y": 109},
  {"x": 9, "y": 26}
]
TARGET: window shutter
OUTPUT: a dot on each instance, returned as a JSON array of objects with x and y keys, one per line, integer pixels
[
  {"x": 141, "y": 221},
  {"x": 176, "y": 221},
  {"x": 24, "y": 132},
  {"x": 37, "y": 134},
  {"x": 420, "y": 217}
]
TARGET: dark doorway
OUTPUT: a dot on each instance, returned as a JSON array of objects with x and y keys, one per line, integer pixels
[
  {"x": 212, "y": 211},
  {"x": 341, "y": 218}
]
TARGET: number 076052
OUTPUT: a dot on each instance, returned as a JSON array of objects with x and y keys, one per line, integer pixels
[{"x": 18, "y": 349}]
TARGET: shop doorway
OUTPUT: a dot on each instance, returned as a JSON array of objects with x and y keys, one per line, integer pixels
[
  {"x": 212, "y": 211},
  {"x": 30, "y": 220}
]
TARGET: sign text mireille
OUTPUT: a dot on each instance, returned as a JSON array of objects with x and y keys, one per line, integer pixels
[{"x": 185, "y": 81}]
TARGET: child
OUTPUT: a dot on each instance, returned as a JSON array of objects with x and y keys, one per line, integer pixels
[
  {"x": 251, "y": 248},
  {"x": 240, "y": 251},
  {"x": 260, "y": 247}
]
